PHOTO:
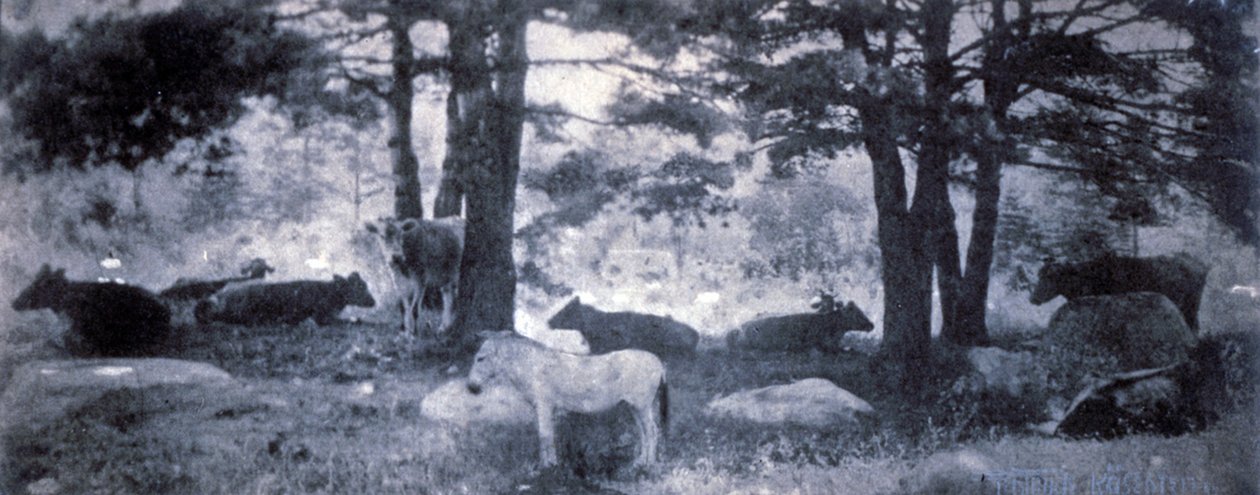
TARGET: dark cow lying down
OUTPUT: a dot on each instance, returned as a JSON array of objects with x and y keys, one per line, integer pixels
[
  {"x": 803, "y": 331},
  {"x": 286, "y": 302},
  {"x": 192, "y": 289},
  {"x": 110, "y": 319},
  {"x": 1179, "y": 277},
  {"x": 607, "y": 332}
]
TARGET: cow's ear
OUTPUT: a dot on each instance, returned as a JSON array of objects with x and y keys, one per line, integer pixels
[
  {"x": 59, "y": 273},
  {"x": 371, "y": 227},
  {"x": 338, "y": 278},
  {"x": 409, "y": 224},
  {"x": 44, "y": 270},
  {"x": 850, "y": 305},
  {"x": 354, "y": 277}
]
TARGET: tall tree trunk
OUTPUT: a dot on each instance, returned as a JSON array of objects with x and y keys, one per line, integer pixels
[
  {"x": 931, "y": 195},
  {"x": 487, "y": 289},
  {"x": 905, "y": 265},
  {"x": 1000, "y": 88},
  {"x": 470, "y": 87},
  {"x": 973, "y": 295},
  {"x": 906, "y": 269},
  {"x": 407, "y": 202}
]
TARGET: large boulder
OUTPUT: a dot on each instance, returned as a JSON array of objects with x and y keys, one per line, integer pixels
[
  {"x": 960, "y": 472},
  {"x": 452, "y": 402},
  {"x": 43, "y": 391},
  {"x": 809, "y": 402},
  {"x": 1139, "y": 330},
  {"x": 1179, "y": 277},
  {"x": 998, "y": 370}
]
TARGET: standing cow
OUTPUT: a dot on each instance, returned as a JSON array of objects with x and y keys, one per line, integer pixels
[
  {"x": 286, "y": 302},
  {"x": 110, "y": 319},
  {"x": 803, "y": 331},
  {"x": 607, "y": 332},
  {"x": 427, "y": 253},
  {"x": 1179, "y": 277}
]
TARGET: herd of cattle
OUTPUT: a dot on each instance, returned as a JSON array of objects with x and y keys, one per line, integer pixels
[{"x": 110, "y": 318}]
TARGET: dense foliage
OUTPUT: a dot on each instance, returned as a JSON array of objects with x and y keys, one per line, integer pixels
[{"x": 126, "y": 90}]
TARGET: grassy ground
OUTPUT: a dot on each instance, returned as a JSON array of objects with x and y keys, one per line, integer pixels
[{"x": 337, "y": 410}]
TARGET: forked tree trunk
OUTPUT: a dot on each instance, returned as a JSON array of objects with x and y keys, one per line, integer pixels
[{"x": 906, "y": 268}]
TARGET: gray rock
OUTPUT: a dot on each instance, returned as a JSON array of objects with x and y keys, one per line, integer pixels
[
  {"x": 961, "y": 472},
  {"x": 808, "y": 402},
  {"x": 46, "y": 390},
  {"x": 1139, "y": 329},
  {"x": 994, "y": 369}
]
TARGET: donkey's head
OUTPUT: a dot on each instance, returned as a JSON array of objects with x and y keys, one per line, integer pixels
[{"x": 497, "y": 357}]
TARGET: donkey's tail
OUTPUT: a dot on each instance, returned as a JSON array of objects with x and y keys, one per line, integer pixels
[{"x": 662, "y": 397}]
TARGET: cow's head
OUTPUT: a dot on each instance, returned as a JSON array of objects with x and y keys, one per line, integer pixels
[
  {"x": 854, "y": 319},
  {"x": 355, "y": 289},
  {"x": 1049, "y": 278},
  {"x": 257, "y": 268},
  {"x": 44, "y": 292},
  {"x": 570, "y": 316}
]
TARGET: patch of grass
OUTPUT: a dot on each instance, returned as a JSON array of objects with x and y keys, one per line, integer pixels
[{"x": 303, "y": 423}]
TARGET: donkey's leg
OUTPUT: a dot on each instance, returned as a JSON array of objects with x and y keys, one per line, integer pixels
[
  {"x": 546, "y": 435},
  {"x": 647, "y": 447},
  {"x": 652, "y": 432}
]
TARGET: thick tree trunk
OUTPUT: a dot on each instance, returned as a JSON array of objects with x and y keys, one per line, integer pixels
[
  {"x": 906, "y": 268},
  {"x": 407, "y": 202},
  {"x": 931, "y": 196},
  {"x": 488, "y": 275},
  {"x": 906, "y": 264}
]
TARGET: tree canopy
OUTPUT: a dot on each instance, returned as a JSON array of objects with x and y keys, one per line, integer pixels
[{"x": 125, "y": 90}]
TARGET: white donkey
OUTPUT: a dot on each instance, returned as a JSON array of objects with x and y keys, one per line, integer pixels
[{"x": 551, "y": 380}]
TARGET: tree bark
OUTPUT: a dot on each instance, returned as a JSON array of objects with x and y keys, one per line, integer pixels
[
  {"x": 1000, "y": 87},
  {"x": 931, "y": 196},
  {"x": 488, "y": 274},
  {"x": 470, "y": 88},
  {"x": 906, "y": 268},
  {"x": 407, "y": 203}
]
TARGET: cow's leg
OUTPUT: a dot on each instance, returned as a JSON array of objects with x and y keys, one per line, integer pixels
[
  {"x": 546, "y": 435},
  {"x": 448, "y": 300},
  {"x": 411, "y": 308}
]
